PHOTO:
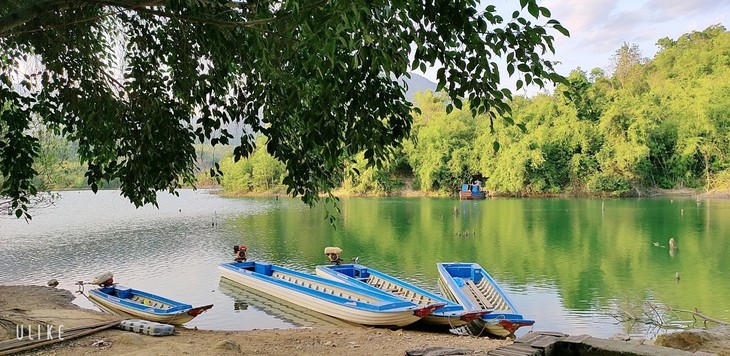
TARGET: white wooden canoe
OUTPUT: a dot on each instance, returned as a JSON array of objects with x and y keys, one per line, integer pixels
[
  {"x": 450, "y": 315},
  {"x": 133, "y": 303},
  {"x": 471, "y": 286},
  {"x": 328, "y": 297}
]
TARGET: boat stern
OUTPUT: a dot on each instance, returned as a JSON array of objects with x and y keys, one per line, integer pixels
[
  {"x": 422, "y": 312},
  {"x": 473, "y": 315},
  {"x": 199, "y": 310},
  {"x": 512, "y": 325}
]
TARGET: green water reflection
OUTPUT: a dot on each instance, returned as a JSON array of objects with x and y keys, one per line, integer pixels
[{"x": 589, "y": 253}]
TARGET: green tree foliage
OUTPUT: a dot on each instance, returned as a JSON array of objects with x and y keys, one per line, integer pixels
[
  {"x": 207, "y": 157},
  {"x": 663, "y": 123},
  {"x": 535, "y": 152},
  {"x": 57, "y": 163},
  {"x": 651, "y": 123},
  {"x": 237, "y": 175},
  {"x": 360, "y": 178},
  {"x": 441, "y": 153},
  {"x": 259, "y": 173},
  {"x": 319, "y": 78},
  {"x": 689, "y": 79},
  {"x": 628, "y": 65}
]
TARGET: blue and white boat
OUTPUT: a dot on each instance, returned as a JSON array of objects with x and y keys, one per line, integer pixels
[
  {"x": 471, "y": 286},
  {"x": 472, "y": 192},
  {"x": 450, "y": 315},
  {"x": 133, "y": 303},
  {"x": 333, "y": 298}
]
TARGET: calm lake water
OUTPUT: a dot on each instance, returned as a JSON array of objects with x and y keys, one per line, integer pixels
[{"x": 570, "y": 264}]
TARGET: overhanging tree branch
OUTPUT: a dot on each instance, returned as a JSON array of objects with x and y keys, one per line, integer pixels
[
  {"x": 320, "y": 79},
  {"x": 31, "y": 11},
  {"x": 154, "y": 7}
]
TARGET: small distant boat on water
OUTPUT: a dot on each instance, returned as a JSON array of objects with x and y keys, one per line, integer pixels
[
  {"x": 471, "y": 286},
  {"x": 450, "y": 315},
  {"x": 133, "y": 303},
  {"x": 472, "y": 192},
  {"x": 333, "y": 298}
]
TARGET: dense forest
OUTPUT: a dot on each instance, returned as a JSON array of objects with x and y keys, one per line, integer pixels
[
  {"x": 648, "y": 123},
  {"x": 659, "y": 123}
]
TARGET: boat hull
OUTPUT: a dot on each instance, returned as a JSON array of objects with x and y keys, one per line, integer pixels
[
  {"x": 335, "y": 299},
  {"x": 472, "y": 192},
  {"x": 472, "y": 196},
  {"x": 278, "y": 308},
  {"x": 175, "y": 313},
  {"x": 451, "y": 315},
  {"x": 470, "y": 285}
]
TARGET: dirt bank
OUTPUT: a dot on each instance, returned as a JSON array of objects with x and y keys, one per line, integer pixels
[
  {"x": 32, "y": 305},
  {"x": 407, "y": 191}
]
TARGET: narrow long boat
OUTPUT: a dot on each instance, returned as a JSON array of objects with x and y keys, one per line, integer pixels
[
  {"x": 128, "y": 302},
  {"x": 336, "y": 299},
  {"x": 471, "y": 286},
  {"x": 450, "y": 315},
  {"x": 245, "y": 298}
]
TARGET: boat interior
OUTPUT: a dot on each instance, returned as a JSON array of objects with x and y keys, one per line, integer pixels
[
  {"x": 484, "y": 295},
  {"x": 363, "y": 275},
  {"x": 268, "y": 270},
  {"x": 325, "y": 288},
  {"x": 150, "y": 302},
  {"x": 393, "y": 288},
  {"x": 128, "y": 294}
]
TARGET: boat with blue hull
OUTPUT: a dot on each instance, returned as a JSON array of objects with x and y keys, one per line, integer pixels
[
  {"x": 472, "y": 192},
  {"x": 471, "y": 286},
  {"x": 450, "y": 315},
  {"x": 333, "y": 298},
  {"x": 133, "y": 303}
]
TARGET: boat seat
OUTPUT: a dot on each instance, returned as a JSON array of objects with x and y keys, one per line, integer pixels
[
  {"x": 488, "y": 290},
  {"x": 473, "y": 293},
  {"x": 123, "y": 292}
]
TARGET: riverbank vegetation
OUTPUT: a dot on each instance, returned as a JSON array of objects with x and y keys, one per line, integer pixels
[
  {"x": 136, "y": 85},
  {"x": 651, "y": 123},
  {"x": 659, "y": 123}
]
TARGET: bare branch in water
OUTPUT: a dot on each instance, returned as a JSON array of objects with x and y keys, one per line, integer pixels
[
  {"x": 655, "y": 313},
  {"x": 39, "y": 201},
  {"x": 698, "y": 314}
]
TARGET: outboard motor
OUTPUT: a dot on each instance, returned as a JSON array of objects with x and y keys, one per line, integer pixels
[
  {"x": 240, "y": 253},
  {"x": 333, "y": 254},
  {"x": 103, "y": 280}
]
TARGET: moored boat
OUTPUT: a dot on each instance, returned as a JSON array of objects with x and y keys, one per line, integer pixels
[
  {"x": 471, "y": 286},
  {"x": 246, "y": 299},
  {"x": 133, "y": 303},
  {"x": 450, "y": 315},
  {"x": 333, "y": 298},
  {"x": 472, "y": 192}
]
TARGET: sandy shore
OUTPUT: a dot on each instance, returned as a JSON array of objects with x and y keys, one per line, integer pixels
[{"x": 34, "y": 305}]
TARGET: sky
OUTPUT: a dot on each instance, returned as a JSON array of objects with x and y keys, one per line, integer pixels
[{"x": 599, "y": 27}]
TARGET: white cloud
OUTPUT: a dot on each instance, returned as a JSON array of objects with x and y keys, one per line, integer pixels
[
  {"x": 682, "y": 8},
  {"x": 579, "y": 15},
  {"x": 599, "y": 27}
]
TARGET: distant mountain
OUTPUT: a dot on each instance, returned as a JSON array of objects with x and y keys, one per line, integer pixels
[{"x": 417, "y": 84}]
